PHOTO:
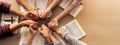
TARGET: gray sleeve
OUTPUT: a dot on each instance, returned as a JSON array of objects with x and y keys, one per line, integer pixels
[{"x": 70, "y": 39}]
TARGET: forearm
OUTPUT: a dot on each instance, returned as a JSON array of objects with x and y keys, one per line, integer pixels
[
  {"x": 49, "y": 2},
  {"x": 17, "y": 12},
  {"x": 60, "y": 32},
  {"x": 53, "y": 39},
  {"x": 29, "y": 39},
  {"x": 8, "y": 8},
  {"x": 25, "y": 4},
  {"x": 47, "y": 39},
  {"x": 53, "y": 4},
  {"x": 15, "y": 26},
  {"x": 67, "y": 10}
]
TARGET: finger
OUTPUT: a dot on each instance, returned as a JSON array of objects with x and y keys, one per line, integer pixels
[
  {"x": 56, "y": 24},
  {"x": 48, "y": 16},
  {"x": 40, "y": 30},
  {"x": 45, "y": 27},
  {"x": 49, "y": 25},
  {"x": 31, "y": 25},
  {"x": 31, "y": 30}
]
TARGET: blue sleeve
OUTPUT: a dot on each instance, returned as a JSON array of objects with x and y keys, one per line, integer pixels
[
  {"x": 24, "y": 44},
  {"x": 51, "y": 43}
]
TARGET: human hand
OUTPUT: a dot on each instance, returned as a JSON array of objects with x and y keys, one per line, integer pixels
[
  {"x": 44, "y": 30},
  {"x": 33, "y": 29},
  {"x": 32, "y": 14},
  {"x": 28, "y": 22},
  {"x": 53, "y": 23},
  {"x": 45, "y": 14}
]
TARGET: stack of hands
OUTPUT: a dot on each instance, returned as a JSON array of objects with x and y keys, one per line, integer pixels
[{"x": 44, "y": 30}]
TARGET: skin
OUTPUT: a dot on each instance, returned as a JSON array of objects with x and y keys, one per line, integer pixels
[
  {"x": 33, "y": 12},
  {"x": 44, "y": 30},
  {"x": 54, "y": 22},
  {"x": 51, "y": 4},
  {"x": 21, "y": 24},
  {"x": 19, "y": 13},
  {"x": 31, "y": 35}
]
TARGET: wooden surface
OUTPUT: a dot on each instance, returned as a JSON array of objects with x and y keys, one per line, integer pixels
[{"x": 100, "y": 19}]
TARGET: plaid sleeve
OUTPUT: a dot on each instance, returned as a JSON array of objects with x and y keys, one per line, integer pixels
[
  {"x": 5, "y": 30},
  {"x": 4, "y": 7}
]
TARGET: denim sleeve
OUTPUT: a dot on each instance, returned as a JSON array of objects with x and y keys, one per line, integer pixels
[
  {"x": 24, "y": 44},
  {"x": 51, "y": 43}
]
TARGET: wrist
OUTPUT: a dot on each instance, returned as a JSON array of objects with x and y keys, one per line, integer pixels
[
  {"x": 60, "y": 32},
  {"x": 75, "y": 3},
  {"x": 29, "y": 8},
  {"x": 56, "y": 18},
  {"x": 48, "y": 10},
  {"x": 47, "y": 39},
  {"x": 22, "y": 23},
  {"x": 32, "y": 35},
  {"x": 46, "y": 36}
]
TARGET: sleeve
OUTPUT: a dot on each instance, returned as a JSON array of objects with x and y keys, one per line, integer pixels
[
  {"x": 5, "y": 31},
  {"x": 71, "y": 39},
  {"x": 51, "y": 43},
  {"x": 24, "y": 44},
  {"x": 4, "y": 7}
]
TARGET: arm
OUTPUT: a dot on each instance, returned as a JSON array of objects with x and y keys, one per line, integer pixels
[
  {"x": 54, "y": 22},
  {"x": 25, "y": 4},
  {"x": 68, "y": 37},
  {"x": 45, "y": 32},
  {"x": 21, "y": 24},
  {"x": 31, "y": 35},
  {"x": 7, "y": 8},
  {"x": 53, "y": 39},
  {"x": 29, "y": 39},
  {"x": 51, "y": 4},
  {"x": 17, "y": 12},
  {"x": 8, "y": 29},
  {"x": 68, "y": 9},
  {"x": 33, "y": 12}
]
